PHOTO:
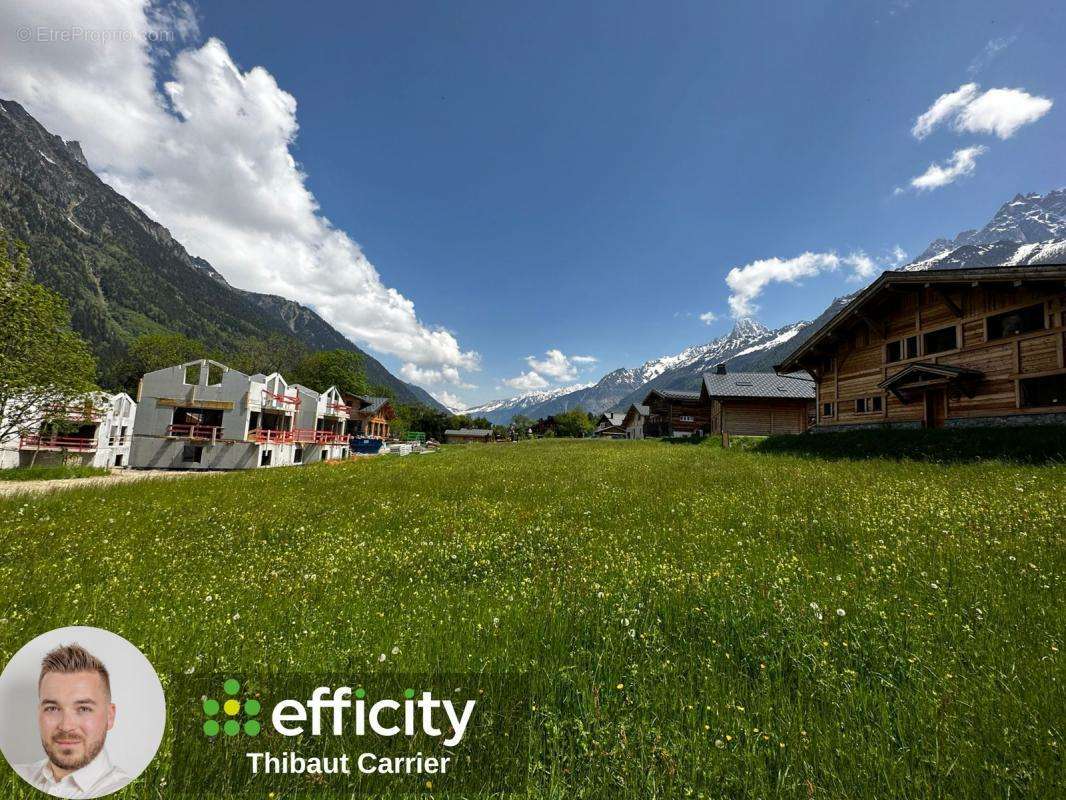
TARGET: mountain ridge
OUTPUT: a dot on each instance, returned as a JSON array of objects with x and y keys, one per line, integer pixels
[{"x": 123, "y": 274}]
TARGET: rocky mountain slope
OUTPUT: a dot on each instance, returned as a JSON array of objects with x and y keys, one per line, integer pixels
[
  {"x": 123, "y": 274},
  {"x": 1029, "y": 229}
]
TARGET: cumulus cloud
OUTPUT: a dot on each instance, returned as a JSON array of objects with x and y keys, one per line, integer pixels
[
  {"x": 557, "y": 365},
  {"x": 210, "y": 157},
  {"x": 997, "y": 111},
  {"x": 449, "y": 401},
  {"x": 962, "y": 162},
  {"x": 526, "y": 382},
  {"x": 432, "y": 377},
  {"x": 707, "y": 317},
  {"x": 746, "y": 283},
  {"x": 943, "y": 108}
]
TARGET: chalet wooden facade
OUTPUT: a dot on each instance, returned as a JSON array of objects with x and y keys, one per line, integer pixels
[
  {"x": 758, "y": 403},
  {"x": 369, "y": 416},
  {"x": 467, "y": 436},
  {"x": 943, "y": 348},
  {"x": 609, "y": 426},
  {"x": 675, "y": 413},
  {"x": 633, "y": 421}
]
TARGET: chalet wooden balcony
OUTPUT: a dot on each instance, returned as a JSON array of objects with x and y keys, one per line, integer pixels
[
  {"x": 35, "y": 441},
  {"x": 206, "y": 432}
]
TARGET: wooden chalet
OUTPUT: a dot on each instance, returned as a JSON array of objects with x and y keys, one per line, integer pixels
[
  {"x": 609, "y": 426},
  {"x": 675, "y": 413},
  {"x": 938, "y": 348},
  {"x": 467, "y": 435},
  {"x": 369, "y": 416},
  {"x": 757, "y": 403},
  {"x": 634, "y": 420}
]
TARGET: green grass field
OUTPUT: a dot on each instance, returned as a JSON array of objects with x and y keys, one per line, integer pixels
[
  {"x": 693, "y": 622},
  {"x": 50, "y": 473}
]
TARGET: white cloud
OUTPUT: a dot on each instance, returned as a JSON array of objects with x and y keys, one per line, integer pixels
[
  {"x": 747, "y": 282},
  {"x": 210, "y": 158},
  {"x": 990, "y": 51},
  {"x": 997, "y": 111},
  {"x": 707, "y": 317},
  {"x": 943, "y": 108},
  {"x": 557, "y": 365},
  {"x": 1002, "y": 112},
  {"x": 962, "y": 162},
  {"x": 450, "y": 401},
  {"x": 431, "y": 376},
  {"x": 526, "y": 382}
]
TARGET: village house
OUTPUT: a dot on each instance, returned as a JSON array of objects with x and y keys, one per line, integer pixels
[
  {"x": 369, "y": 417},
  {"x": 633, "y": 421},
  {"x": 467, "y": 435},
  {"x": 205, "y": 415},
  {"x": 95, "y": 431},
  {"x": 943, "y": 348},
  {"x": 609, "y": 426},
  {"x": 674, "y": 413},
  {"x": 757, "y": 403}
]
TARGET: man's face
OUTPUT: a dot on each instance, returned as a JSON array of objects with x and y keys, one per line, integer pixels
[{"x": 74, "y": 715}]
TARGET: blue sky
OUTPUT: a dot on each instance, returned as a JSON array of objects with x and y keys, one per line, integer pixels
[{"x": 537, "y": 176}]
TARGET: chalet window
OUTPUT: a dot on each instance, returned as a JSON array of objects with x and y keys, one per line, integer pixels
[
  {"x": 940, "y": 341},
  {"x": 865, "y": 405},
  {"x": 264, "y": 458},
  {"x": 192, "y": 453},
  {"x": 192, "y": 374},
  {"x": 827, "y": 409},
  {"x": 1012, "y": 323},
  {"x": 298, "y": 456},
  {"x": 1049, "y": 390},
  {"x": 214, "y": 374},
  {"x": 687, "y": 418},
  {"x": 894, "y": 351},
  {"x": 911, "y": 346}
]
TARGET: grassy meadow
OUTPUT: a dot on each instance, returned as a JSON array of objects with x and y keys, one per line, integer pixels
[{"x": 693, "y": 622}]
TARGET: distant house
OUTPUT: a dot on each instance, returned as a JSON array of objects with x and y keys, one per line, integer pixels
[
  {"x": 757, "y": 403},
  {"x": 633, "y": 421},
  {"x": 675, "y": 413},
  {"x": 609, "y": 426},
  {"x": 94, "y": 431},
  {"x": 204, "y": 415},
  {"x": 467, "y": 435},
  {"x": 369, "y": 417},
  {"x": 953, "y": 347}
]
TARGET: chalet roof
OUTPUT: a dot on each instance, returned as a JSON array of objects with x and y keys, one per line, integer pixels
[
  {"x": 672, "y": 394},
  {"x": 921, "y": 278},
  {"x": 374, "y": 404},
  {"x": 643, "y": 410},
  {"x": 468, "y": 432},
  {"x": 759, "y": 384},
  {"x": 612, "y": 418}
]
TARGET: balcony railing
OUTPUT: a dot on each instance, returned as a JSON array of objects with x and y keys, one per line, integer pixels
[
  {"x": 210, "y": 432},
  {"x": 297, "y": 436},
  {"x": 35, "y": 441},
  {"x": 339, "y": 408},
  {"x": 287, "y": 402}
]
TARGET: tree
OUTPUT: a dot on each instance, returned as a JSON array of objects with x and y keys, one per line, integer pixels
[
  {"x": 154, "y": 351},
  {"x": 274, "y": 353},
  {"x": 523, "y": 425},
  {"x": 340, "y": 368},
  {"x": 43, "y": 363},
  {"x": 574, "y": 422}
]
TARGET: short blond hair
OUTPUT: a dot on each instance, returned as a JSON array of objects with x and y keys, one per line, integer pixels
[{"x": 70, "y": 658}]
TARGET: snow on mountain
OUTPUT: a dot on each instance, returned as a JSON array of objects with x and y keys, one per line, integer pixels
[{"x": 501, "y": 411}]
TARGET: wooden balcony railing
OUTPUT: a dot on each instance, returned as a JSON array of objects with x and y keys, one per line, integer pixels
[
  {"x": 297, "y": 436},
  {"x": 209, "y": 432}
]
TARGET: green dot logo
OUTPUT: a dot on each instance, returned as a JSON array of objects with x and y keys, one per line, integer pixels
[{"x": 224, "y": 717}]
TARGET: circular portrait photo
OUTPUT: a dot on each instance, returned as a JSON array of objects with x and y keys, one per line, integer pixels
[{"x": 81, "y": 712}]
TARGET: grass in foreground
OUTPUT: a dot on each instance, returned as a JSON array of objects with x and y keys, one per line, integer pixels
[
  {"x": 50, "y": 473},
  {"x": 694, "y": 621}
]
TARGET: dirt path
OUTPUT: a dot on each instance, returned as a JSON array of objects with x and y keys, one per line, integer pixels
[{"x": 8, "y": 488}]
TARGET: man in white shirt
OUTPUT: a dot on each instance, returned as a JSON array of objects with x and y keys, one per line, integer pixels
[{"x": 74, "y": 714}]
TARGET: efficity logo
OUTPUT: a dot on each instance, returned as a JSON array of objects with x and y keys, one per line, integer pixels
[
  {"x": 341, "y": 712},
  {"x": 231, "y": 718}
]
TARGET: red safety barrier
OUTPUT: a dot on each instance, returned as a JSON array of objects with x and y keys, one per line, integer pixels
[{"x": 35, "y": 441}]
